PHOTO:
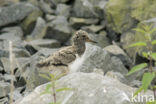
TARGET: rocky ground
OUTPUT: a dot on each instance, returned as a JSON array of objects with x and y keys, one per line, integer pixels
[{"x": 38, "y": 28}]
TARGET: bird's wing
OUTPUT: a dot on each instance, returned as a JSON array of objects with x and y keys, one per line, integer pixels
[{"x": 62, "y": 57}]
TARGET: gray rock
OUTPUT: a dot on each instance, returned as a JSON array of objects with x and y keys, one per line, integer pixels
[
  {"x": 47, "y": 51},
  {"x": 89, "y": 8},
  {"x": 118, "y": 52},
  {"x": 79, "y": 22},
  {"x": 4, "y": 53},
  {"x": 93, "y": 28},
  {"x": 88, "y": 88},
  {"x": 63, "y": 10},
  {"x": 4, "y": 100},
  {"x": 96, "y": 57},
  {"x": 50, "y": 17},
  {"x": 15, "y": 13},
  {"x": 59, "y": 29},
  {"x": 39, "y": 31},
  {"x": 8, "y": 78},
  {"x": 45, "y": 43},
  {"x": 45, "y": 7},
  {"x": 18, "y": 62},
  {"x": 16, "y": 94},
  {"x": 4, "y": 88},
  {"x": 101, "y": 39}
]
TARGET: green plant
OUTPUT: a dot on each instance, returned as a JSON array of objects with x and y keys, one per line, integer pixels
[
  {"x": 147, "y": 31},
  {"x": 51, "y": 88}
]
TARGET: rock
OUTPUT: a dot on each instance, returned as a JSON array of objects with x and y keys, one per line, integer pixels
[
  {"x": 127, "y": 39},
  {"x": 39, "y": 30},
  {"x": 16, "y": 94},
  {"x": 16, "y": 31},
  {"x": 4, "y": 100},
  {"x": 93, "y": 28},
  {"x": 29, "y": 22},
  {"x": 45, "y": 7},
  {"x": 45, "y": 43},
  {"x": 4, "y": 53},
  {"x": 89, "y": 8},
  {"x": 108, "y": 91},
  {"x": 59, "y": 29},
  {"x": 96, "y": 57},
  {"x": 8, "y": 78},
  {"x": 15, "y": 13},
  {"x": 118, "y": 14},
  {"x": 18, "y": 62},
  {"x": 4, "y": 88},
  {"x": 79, "y": 22},
  {"x": 60, "y": 1},
  {"x": 47, "y": 51},
  {"x": 118, "y": 52},
  {"x": 63, "y": 10},
  {"x": 101, "y": 39},
  {"x": 7, "y": 2},
  {"x": 50, "y": 17}
]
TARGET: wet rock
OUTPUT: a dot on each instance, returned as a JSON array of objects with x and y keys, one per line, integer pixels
[
  {"x": 108, "y": 91},
  {"x": 4, "y": 88},
  {"x": 59, "y": 29},
  {"x": 118, "y": 52},
  {"x": 96, "y": 57},
  {"x": 45, "y": 43},
  {"x": 39, "y": 30},
  {"x": 79, "y": 22},
  {"x": 15, "y": 13},
  {"x": 89, "y": 8},
  {"x": 63, "y": 10}
]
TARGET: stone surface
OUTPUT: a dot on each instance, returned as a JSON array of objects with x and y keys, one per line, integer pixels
[
  {"x": 63, "y": 10},
  {"x": 15, "y": 13},
  {"x": 93, "y": 28},
  {"x": 96, "y": 57},
  {"x": 4, "y": 88},
  {"x": 45, "y": 43},
  {"x": 118, "y": 52},
  {"x": 39, "y": 31},
  {"x": 87, "y": 88},
  {"x": 79, "y": 22},
  {"x": 59, "y": 29},
  {"x": 89, "y": 8}
]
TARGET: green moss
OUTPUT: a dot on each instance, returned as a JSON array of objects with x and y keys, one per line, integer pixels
[
  {"x": 143, "y": 9},
  {"x": 118, "y": 15}
]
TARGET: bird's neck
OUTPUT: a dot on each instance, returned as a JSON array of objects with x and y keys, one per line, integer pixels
[{"x": 79, "y": 48}]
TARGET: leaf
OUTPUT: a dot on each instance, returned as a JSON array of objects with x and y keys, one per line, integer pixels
[
  {"x": 152, "y": 31},
  {"x": 139, "y": 30},
  {"x": 153, "y": 55},
  {"x": 144, "y": 54},
  {"x": 137, "y": 68},
  {"x": 48, "y": 87},
  {"x": 153, "y": 42},
  {"x": 63, "y": 89},
  {"x": 59, "y": 76},
  {"x": 52, "y": 76},
  {"x": 44, "y": 76},
  {"x": 138, "y": 91},
  {"x": 147, "y": 79},
  {"x": 138, "y": 44}
]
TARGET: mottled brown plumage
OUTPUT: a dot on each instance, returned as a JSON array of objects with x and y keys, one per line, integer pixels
[{"x": 67, "y": 55}]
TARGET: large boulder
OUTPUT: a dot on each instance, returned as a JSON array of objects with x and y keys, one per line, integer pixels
[
  {"x": 87, "y": 88},
  {"x": 15, "y": 13},
  {"x": 97, "y": 58}
]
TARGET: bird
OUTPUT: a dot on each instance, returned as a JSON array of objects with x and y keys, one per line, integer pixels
[{"x": 61, "y": 59}]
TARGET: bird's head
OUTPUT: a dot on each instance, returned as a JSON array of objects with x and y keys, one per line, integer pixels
[{"x": 82, "y": 36}]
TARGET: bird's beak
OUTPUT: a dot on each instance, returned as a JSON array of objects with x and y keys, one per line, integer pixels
[{"x": 89, "y": 40}]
